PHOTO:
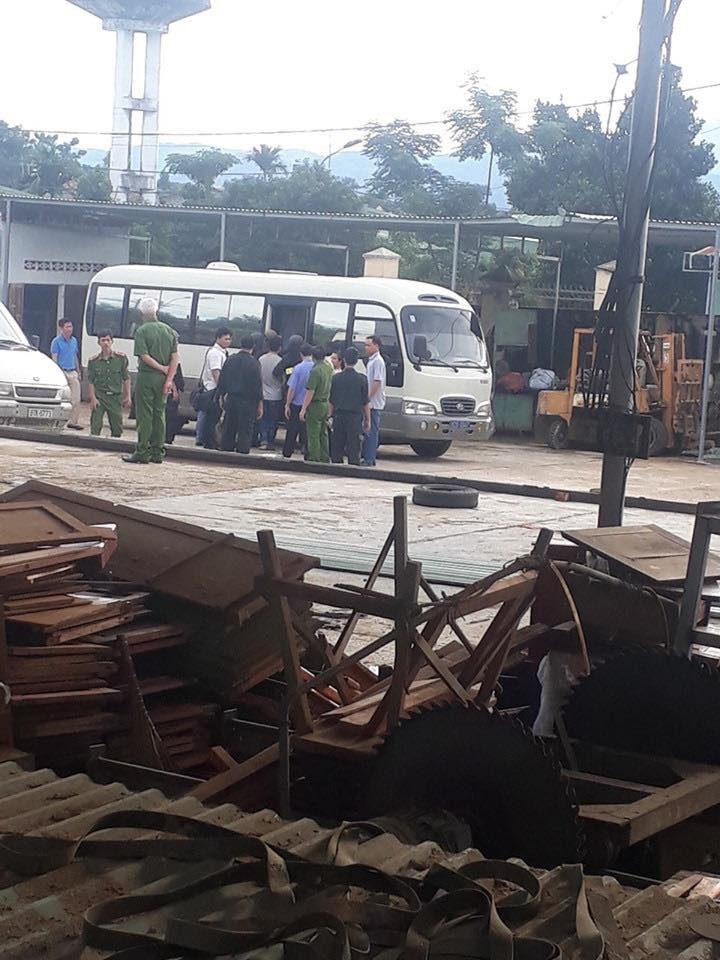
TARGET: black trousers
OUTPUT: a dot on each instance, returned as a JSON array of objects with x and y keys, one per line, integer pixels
[
  {"x": 346, "y": 434},
  {"x": 237, "y": 432},
  {"x": 293, "y": 429}
]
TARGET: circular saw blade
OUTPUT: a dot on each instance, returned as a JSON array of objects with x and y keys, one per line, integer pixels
[{"x": 486, "y": 769}]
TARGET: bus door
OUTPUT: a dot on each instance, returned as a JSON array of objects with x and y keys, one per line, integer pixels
[{"x": 288, "y": 316}]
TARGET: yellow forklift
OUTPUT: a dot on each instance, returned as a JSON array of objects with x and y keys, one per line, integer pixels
[{"x": 667, "y": 386}]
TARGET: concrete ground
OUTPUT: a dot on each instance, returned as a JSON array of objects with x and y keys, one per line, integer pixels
[{"x": 352, "y": 517}]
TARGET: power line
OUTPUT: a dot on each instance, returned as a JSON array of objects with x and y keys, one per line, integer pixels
[{"x": 292, "y": 132}]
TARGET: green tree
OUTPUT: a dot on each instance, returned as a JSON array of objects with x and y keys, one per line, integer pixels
[
  {"x": 202, "y": 169},
  {"x": 267, "y": 159},
  {"x": 486, "y": 124},
  {"x": 309, "y": 186},
  {"x": 401, "y": 158},
  {"x": 51, "y": 168},
  {"x": 94, "y": 184},
  {"x": 13, "y": 144}
]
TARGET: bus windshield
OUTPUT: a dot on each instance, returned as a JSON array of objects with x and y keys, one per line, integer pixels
[
  {"x": 11, "y": 336},
  {"x": 443, "y": 336}
]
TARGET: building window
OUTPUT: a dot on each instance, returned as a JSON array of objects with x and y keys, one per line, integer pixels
[
  {"x": 108, "y": 312},
  {"x": 213, "y": 311},
  {"x": 330, "y": 325},
  {"x": 246, "y": 316}
]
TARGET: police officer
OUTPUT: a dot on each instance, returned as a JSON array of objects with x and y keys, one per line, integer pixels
[
  {"x": 156, "y": 348},
  {"x": 109, "y": 386}
]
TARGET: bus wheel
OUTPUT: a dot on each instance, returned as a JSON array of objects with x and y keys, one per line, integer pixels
[
  {"x": 557, "y": 434},
  {"x": 430, "y": 449}
]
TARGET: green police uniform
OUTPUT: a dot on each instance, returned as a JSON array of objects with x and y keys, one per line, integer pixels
[
  {"x": 107, "y": 375},
  {"x": 318, "y": 446},
  {"x": 159, "y": 341}
]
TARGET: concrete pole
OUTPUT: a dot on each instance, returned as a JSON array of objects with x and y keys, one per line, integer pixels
[
  {"x": 150, "y": 156},
  {"x": 710, "y": 335},
  {"x": 223, "y": 234},
  {"x": 5, "y": 272},
  {"x": 556, "y": 307},
  {"x": 455, "y": 255},
  {"x": 121, "y": 145},
  {"x": 632, "y": 253}
]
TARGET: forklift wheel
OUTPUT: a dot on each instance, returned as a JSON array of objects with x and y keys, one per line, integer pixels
[
  {"x": 658, "y": 438},
  {"x": 557, "y": 435}
]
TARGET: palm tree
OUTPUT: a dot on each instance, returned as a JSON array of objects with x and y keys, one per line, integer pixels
[{"x": 267, "y": 158}]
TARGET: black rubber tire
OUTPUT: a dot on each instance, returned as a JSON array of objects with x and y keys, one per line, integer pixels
[
  {"x": 658, "y": 438},
  {"x": 489, "y": 771},
  {"x": 557, "y": 434},
  {"x": 430, "y": 449},
  {"x": 447, "y": 495}
]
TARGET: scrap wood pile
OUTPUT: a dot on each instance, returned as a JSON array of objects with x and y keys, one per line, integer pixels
[
  {"x": 130, "y": 630},
  {"x": 81, "y": 651}
]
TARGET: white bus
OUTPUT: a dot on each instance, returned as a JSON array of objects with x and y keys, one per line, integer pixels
[{"x": 438, "y": 372}]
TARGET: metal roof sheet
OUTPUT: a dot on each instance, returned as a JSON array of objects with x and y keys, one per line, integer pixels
[{"x": 42, "y": 916}]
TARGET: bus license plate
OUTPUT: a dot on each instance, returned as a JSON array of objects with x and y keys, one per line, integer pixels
[
  {"x": 40, "y": 413},
  {"x": 459, "y": 424}
]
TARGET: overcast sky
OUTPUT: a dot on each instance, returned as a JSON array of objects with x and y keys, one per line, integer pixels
[{"x": 250, "y": 66}]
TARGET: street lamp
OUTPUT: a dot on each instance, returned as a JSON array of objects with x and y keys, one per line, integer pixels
[{"x": 345, "y": 146}]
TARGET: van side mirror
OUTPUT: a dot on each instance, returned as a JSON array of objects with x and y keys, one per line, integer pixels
[
  {"x": 420, "y": 347},
  {"x": 35, "y": 341}
]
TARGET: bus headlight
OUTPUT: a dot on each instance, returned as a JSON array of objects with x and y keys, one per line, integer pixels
[
  {"x": 6, "y": 390},
  {"x": 484, "y": 408},
  {"x": 416, "y": 408},
  {"x": 65, "y": 394}
]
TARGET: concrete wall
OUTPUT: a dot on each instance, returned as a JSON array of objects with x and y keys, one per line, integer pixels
[{"x": 63, "y": 255}]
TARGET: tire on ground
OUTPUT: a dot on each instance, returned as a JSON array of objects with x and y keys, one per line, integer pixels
[
  {"x": 658, "y": 438},
  {"x": 448, "y": 495}
]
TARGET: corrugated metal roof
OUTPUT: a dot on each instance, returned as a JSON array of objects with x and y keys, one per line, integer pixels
[{"x": 42, "y": 916}]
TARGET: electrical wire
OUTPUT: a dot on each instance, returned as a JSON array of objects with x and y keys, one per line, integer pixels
[{"x": 308, "y": 130}]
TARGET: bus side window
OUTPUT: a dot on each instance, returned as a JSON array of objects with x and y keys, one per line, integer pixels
[
  {"x": 372, "y": 319},
  {"x": 246, "y": 315},
  {"x": 330, "y": 324},
  {"x": 176, "y": 311},
  {"x": 213, "y": 310},
  {"x": 133, "y": 314},
  {"x": 108, "y": 311}
]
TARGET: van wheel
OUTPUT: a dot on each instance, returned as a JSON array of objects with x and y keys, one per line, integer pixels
[
  {"x": 557, "y": 434},
  {"x": 430, "y": 449}
]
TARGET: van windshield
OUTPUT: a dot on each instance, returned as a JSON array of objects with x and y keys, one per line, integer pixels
[
  {"x": 11, "y": 336},
  {"x": 443, "y": 336}
]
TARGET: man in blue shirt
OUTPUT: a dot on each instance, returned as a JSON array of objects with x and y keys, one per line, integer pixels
[
  {"x": 297, "y": 384},
  {"x": 65, "y": 353}
]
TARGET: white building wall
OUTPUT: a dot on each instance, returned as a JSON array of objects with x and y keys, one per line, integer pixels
[{"x": 63, "y": 255}]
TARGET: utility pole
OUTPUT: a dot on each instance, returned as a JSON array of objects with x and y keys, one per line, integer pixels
[{"x": 632, "y": 252}]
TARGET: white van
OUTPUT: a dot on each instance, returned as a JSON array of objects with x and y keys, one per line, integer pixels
[{"x": 33, "y": 389}]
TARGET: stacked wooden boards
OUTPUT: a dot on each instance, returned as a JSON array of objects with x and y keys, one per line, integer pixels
[{"x": 83, "y": 656}]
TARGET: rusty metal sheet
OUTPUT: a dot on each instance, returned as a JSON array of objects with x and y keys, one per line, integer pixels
[
  {"x": 655, "y": 554},
  {"x": 180, "y": 560}
]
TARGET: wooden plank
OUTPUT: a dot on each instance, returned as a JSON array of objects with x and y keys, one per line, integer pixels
[
  {"x": 31, "y": 524},
  {"x": 6, "y": 725},
  {"x": 503, "y": 623},
  {"x": 74, "y": 697},
  {"x": 35, "y": 560},
  {"x": 352, "y": 620},
  {"x": 214, "y": 787},
  {"x": 648, "y": 550},
  {"x": 299, "y": 707},
  {"x": 660, "y": 810},
  {"x": 376, "y": 604}
]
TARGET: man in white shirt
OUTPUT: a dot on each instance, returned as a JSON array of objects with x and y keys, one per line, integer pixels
[
  {"x": 377, "y": 381},
  {"x": 272, "y": 393},
  {"x": 207, "y": 417}
]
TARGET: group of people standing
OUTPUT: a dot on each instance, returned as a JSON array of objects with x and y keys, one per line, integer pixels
[
  {"x": 331, "y": 408},
  {"x": 252, "y": 390}
]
